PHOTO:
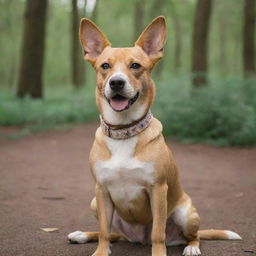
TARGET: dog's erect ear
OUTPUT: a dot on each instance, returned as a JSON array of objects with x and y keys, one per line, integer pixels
[
  {"x": 92, "y": 40},
  {"x": 152, "y": 39}
]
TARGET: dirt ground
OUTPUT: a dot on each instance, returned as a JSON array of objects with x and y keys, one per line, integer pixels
[{"x": 45, "y": 182}]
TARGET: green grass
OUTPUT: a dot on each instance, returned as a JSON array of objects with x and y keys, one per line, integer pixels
[{"x": 222, "y": 114}]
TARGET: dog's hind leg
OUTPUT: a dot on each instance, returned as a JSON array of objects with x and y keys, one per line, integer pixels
[
  {"x": 187, "y": 218},
  {"x": 79, "y": 237}
]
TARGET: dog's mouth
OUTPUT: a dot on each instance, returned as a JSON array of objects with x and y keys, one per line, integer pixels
[{"x": 120, "y": 103}]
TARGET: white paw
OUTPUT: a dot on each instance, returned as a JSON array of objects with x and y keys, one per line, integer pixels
[
  {"x": 191, "y": 251},
  {"x": 77, "y": 237}
]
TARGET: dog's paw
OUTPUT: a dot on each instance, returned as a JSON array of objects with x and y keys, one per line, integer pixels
[
  {"x": 77, "y": 237},
  {"x": 191, "y": 251},
  {"x": 100, "y": 252}
]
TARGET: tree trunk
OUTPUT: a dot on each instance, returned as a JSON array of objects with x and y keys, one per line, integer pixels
[
  {"x": 77, "y": 65},
  {"x": 222, "y": 52},
  {"x": 200, "y": 46},
  {"x": 248, "y": 38},
  {"x": 156, "y": 10},
  {"x": 94, "y": 15},
  {"x": 9, "y": 25},
  {"x": 178, "y": 39},
  {"x": 33, "y": 47},
  {"x": 138, "y": 18}
]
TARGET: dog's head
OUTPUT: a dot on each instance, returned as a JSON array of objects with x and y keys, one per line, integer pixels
[{"x": 124, "y": 91}]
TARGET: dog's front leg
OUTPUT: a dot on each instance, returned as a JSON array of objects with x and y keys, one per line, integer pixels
[
  {"x": 159, "y": 212},
  {"x": 105, "y": 216}
]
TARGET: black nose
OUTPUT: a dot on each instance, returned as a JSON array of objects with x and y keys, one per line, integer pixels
[{"x": 117, "y": 84}]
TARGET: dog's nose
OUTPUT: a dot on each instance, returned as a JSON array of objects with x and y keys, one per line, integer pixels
[{"x": 117, "y": 84}]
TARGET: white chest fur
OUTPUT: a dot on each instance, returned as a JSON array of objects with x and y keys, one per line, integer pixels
[{"x": 123, "y": 175}]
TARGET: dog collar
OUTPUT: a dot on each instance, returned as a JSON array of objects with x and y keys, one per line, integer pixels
[{"x": 127, "y": 132}]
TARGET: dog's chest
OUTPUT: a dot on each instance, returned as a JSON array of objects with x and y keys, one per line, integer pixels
[{"x": 123, "y": 175}]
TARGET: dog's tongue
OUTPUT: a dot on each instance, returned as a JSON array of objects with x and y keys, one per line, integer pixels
[{"x": 119, "y": 104}]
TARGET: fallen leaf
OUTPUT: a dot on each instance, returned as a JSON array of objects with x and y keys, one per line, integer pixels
[
  {"x": 240, "y": 194},
  {"x": 50, "y": 229},
  {"x": 53, "y": 197},
  {"x": 250, "y": 251}
]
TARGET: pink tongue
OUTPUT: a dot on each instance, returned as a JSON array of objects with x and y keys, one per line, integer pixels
[{"x": 119, "y": 104}]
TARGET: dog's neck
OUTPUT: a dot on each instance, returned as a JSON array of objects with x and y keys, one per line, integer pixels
[{"x": 121, "y": 132}]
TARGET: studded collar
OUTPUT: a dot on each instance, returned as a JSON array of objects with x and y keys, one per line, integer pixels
[{"x": 128, "y": 131}]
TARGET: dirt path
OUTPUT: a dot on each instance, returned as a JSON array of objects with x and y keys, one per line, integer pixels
[{"x": 45, "y": 182}]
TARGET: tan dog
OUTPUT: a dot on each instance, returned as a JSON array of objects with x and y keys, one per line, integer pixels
[{"x": 138, "y": 192}]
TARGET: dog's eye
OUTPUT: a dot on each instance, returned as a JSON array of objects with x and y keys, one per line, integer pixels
[
  {"x": 105, "y": 66},
  {"x": 135, "y": 66}
]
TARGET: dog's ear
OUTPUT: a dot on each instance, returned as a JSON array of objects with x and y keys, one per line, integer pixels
[
  {"x": 152, "y": 39},
  {"x": 92, "y": 40}
]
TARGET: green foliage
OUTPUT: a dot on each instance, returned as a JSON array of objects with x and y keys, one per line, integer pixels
[
  {"x": 223, "y": 114},
  {"x": 60, "y": 105}
]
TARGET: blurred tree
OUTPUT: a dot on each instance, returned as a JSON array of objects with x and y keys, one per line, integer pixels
[
  {"x": 155, "y": 11},
  {"x": 221, "y": 27},
  {"x": 11, "y": 74},
  {"x": 77, "y": 65},
  {"x": 156, "y": 8},
  {"x": 222, "y": 53},
  {"x": 94, "y": 15},
  {"x": 199, "y": 41},
  {"x": 138, "y": 18},
  {"x": 33, "y": 46},
  {"x": 248, "y": 38},
  {"x": 178, "y": 38}
]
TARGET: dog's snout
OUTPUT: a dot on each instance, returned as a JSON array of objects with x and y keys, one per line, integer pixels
[{"x": 117, "y": 84}]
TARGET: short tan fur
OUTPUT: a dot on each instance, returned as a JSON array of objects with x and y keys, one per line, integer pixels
[{"x": 137, "y": 180}]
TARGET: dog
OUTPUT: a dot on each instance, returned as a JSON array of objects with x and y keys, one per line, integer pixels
[{"x": 137, "y": 191}]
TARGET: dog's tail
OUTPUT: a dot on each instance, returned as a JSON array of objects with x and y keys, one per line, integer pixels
[{"x": 215, "y": 234}]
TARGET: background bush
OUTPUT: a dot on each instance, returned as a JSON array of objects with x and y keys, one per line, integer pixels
[{"x": 223, "y": 114}]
